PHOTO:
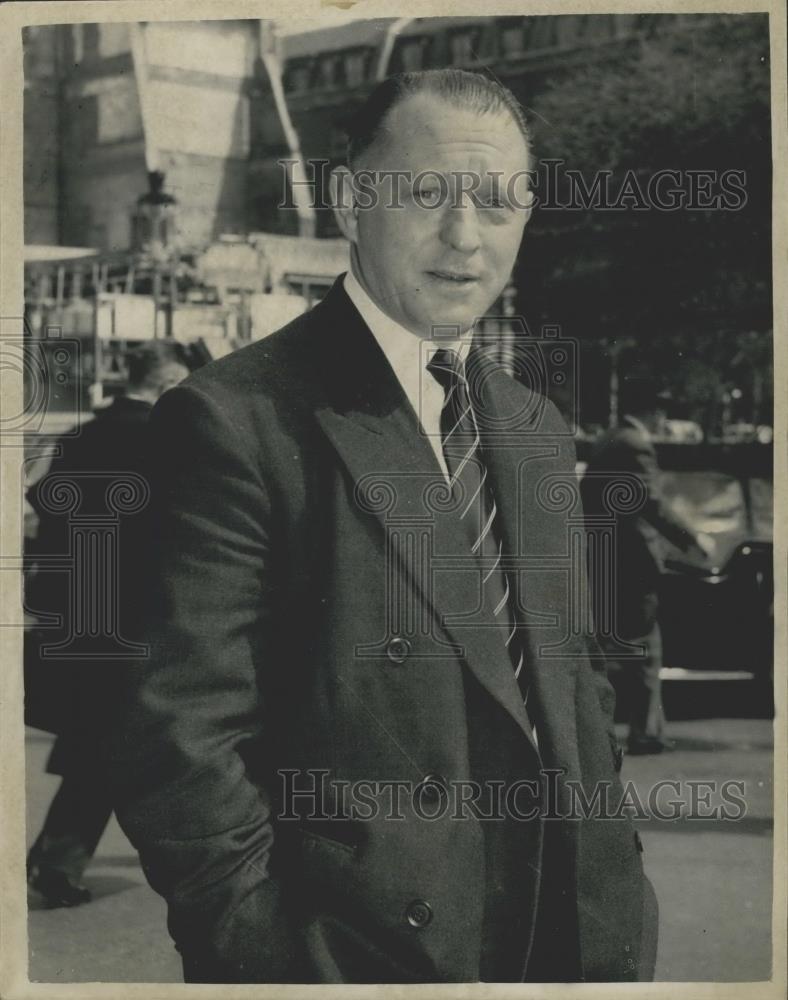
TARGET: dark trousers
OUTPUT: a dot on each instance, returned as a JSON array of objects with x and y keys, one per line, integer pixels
[
  {"x": 641, "y": 688},
  {"x": 637, "y": 676},
  {"x": 646, "y": 714},
  {"x": 77, "y": 817}
]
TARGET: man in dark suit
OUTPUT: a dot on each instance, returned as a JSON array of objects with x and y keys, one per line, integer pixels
[
  {"x": 110, "y": 447},
  {"x": 627, "y": 454},
  {"x": 352, "y": 754}
]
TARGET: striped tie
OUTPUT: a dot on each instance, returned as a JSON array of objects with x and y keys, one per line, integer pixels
[{"x": 475, "y": 502}]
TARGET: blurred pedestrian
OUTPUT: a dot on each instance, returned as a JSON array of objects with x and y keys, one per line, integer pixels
[
  {"x": 633, "y": 590},
  {"x": 110, "y": 446}
]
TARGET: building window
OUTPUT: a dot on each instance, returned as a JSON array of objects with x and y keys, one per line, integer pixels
[
  {"x": 327, "y": 75},
  {"x": 512, "y": 41},
  {"x": 463, "y": 47},
  {"x": 543, "y": 32},
  {"x": 570, "y": 29},
  {"x": 355, "y": 68},
  {"x": 298, "y": 78},
  {"x": 413, "y": 55}
]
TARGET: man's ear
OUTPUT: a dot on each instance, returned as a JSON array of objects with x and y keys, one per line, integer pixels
[
  {"x": 530, "y": 201},
  {"x": 343, "y": 202}
]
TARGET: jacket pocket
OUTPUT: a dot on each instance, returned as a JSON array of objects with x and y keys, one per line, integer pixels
[{"x": 317, "y": 841}]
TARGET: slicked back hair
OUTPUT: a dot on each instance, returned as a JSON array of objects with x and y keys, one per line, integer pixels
[{"x": 459, "y": 87}]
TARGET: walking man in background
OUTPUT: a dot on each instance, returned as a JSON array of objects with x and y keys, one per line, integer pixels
[
  {"x": 629, "y": 450},
  {"x": 113, "y": 444}
]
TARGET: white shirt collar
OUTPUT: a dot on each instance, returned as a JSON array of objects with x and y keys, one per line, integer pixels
[
  {"x": 406, "y": 352},
  {"x": 408, "y": 355}
]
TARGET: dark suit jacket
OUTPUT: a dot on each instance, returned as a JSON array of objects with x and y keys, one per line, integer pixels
[
  {"x": 71, "y": 695},
  {"x": 114, "y": 441},
  {"x": 627, "y": 454},
  {"x": 284, "y": 637}
]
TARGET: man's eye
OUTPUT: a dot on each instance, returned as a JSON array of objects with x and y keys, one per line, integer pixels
[{"x": 427, "y": 195}]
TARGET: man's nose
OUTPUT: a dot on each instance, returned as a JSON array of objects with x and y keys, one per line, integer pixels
[{"x": 460, "y": 228}]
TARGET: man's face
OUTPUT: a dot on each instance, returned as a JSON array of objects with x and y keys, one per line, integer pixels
[{"x": 445, "y": 255}]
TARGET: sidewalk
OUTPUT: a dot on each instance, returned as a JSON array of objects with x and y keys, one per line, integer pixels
[{"x": 121, "y": 936}]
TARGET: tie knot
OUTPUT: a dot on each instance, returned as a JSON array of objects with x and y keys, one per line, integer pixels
[{"x": 446, "y": 368}]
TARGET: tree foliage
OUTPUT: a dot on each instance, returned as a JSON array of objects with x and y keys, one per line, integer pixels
[{"x": 690, "y": 284}]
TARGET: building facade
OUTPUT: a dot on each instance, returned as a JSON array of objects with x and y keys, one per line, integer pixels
[{"x": 107, "y": 103}]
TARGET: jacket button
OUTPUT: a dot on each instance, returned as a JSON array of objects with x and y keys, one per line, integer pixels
[
  {"x": 432, "y": 787},
  {"x": 419, "y": 913},
  {"x": 398, "y": 650}
]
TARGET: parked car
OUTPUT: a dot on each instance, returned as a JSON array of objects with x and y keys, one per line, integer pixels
[{"x": 717, "y": 615}]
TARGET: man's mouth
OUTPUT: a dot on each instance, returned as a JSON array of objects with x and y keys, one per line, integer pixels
[{"x": 455, "y": 277}]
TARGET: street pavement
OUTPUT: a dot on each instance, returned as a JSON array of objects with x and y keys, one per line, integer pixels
[{"x": 713, "y": 877}]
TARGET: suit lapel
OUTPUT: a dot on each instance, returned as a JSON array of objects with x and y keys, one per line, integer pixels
[
  {"x": 398, "y": 482},
  {"x": 520, "y": 450}
]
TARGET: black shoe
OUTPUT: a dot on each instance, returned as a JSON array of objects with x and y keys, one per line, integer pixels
[
  {"x": 648, "y": 745},
  {"x": 58, "y": 889}
]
